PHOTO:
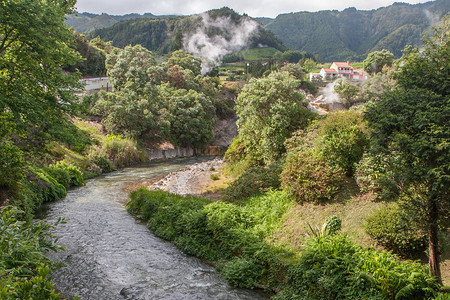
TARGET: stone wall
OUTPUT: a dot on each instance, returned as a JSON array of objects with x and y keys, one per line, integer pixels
[{"x": 159, "y": 154}]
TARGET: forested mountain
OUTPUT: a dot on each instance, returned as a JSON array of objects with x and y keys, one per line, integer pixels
[
  {"x": 166, "y": 34},
  {"x": 87, "y": 22},
  {"x": 352, "y": 34}
]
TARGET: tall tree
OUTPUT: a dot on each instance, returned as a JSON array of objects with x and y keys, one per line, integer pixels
[
  {"x": 413, "y": 121},
  {"x": 34, "y": 46},
  {"x": 269, "y": 110},
  {"x": 376, "y": 60}
]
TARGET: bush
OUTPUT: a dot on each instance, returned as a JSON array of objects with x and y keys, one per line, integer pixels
[
  {"x": 342, "y": 139},
  {"x": 103, "y": 163},
  {"x": 253, "y": 182},
  {"x": 311, "y": 179},
  {"x": 242, "y": 272},
  {"x": 65, "y": 174},
  {"x": 391, "y": 228},
  {"x": 333, "y": 267},
  {"x": 12, "y": 164},
  {"x": 45, "y": 186},
  {"x": 23, "y": 265},
  {"x": 374, "y": 173},
  {"x": 120, "y": 151},
  {"x": 215, "y": 230}
]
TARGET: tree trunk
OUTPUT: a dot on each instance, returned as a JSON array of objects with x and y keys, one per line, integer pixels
[{"x": 433, "y": 259}]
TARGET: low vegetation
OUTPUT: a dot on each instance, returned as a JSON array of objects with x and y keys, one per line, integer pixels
[{"x": 235, "y": 237}]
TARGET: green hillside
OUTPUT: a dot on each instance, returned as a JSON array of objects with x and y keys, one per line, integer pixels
[
  {"x": 165, "y": 34},
  {"x": 87, "y": 22},
  {"x": 351, "y": 34}
]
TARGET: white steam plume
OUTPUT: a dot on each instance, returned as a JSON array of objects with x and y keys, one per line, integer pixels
[{"x": 231, "y": 37}]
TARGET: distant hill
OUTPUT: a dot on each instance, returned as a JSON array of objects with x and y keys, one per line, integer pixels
[
  {"x": 166, "y": 34},
  {"x": 351, "y": 34},
  {"x": 87, "y": 22}
]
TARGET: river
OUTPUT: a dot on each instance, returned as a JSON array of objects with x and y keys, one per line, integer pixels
[{"x": 109, "y": 255}]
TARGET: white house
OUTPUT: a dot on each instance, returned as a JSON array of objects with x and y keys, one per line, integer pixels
[{"x": 336, "y": 70}]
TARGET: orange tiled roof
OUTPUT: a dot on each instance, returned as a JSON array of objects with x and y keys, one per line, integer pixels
[
  {"x": 342, "y": 64},
  {"x": 330, "y": 71}
]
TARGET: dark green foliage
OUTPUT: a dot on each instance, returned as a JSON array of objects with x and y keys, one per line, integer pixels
[
  {"x": 242, "y": 272},
  {"x": 12, "y": 165},
  {"x": 393, "y": 229},
  {"x": 34, "y": 46},
  {"x": 46, "y": 187},
  {"x": 23, "y": 264},
  {"x": 255, "y": 181},
  {"x": 191, "y": 116},
  {"x": 164, "y": 35},
  {"x": 333, "y": 267},
  {"x": 66, "y": 132},
  {"x": 353, "y": 34},
  {"x": 93, "y": 63},
  {"x": 411, "y": 122}
]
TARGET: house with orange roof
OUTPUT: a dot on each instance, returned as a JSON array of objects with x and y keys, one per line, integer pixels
[{"x": 338, "y": 70}]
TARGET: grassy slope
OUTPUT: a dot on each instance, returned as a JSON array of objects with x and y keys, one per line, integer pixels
[{"x": 351, "y": 207}]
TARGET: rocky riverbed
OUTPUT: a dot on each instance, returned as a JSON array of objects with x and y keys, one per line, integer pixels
[{"x": 191, "y": 180}]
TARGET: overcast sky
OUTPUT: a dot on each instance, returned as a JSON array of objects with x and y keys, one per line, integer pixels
[{"x": 254, "y": 8}]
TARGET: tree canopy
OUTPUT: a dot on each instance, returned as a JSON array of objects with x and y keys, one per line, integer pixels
[
  {"x": 375, "y": 61},
  {"x": 34, "y": 46},
  {"x": 413, "y": 122},
  {"x": 269, "y": 110}
]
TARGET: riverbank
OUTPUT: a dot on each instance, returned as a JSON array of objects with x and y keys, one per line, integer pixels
[{"x": 192, "y": 180}]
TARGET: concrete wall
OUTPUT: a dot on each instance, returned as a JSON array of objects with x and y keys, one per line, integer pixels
[{"x": 157, "y": 154}]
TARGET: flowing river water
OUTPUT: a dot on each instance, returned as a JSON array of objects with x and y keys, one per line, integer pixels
[{"x": 109, "y": 255}]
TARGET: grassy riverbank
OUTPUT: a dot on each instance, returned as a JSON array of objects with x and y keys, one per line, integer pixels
[
  {"x": 237, "y": 237},
  {"x": 47, "y": 174}
]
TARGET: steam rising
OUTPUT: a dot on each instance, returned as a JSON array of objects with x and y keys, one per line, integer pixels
[{"x": 225, "y": 36}]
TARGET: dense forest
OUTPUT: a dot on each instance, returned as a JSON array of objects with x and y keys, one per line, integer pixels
[
  {"x": 352, "y": 34},
  {"x": 165, "y": 35},
  {"x": 375, "y": 174}
]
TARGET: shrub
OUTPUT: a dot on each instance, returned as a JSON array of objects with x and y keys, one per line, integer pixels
[
  {"x": 65, "y": 174},
  {"x": 45, "y": 186},
  {"x": 255, "y": 181},
  {"x": 391, "y": 228},
  {"x": 23, "y": 265},
  {"x": 103, "y": 162},
  {"x": 374, "y": 173},
  {"x": 311, "y": 179},
  {"x": 214, "y": 177},
  {"x": 12, "y": 164},
  {"x": 342, "y": 139},
  {"x": 333, "y": 267},
  {"x": 121, "y": 151},
  {"x": 242, "y": 272}
]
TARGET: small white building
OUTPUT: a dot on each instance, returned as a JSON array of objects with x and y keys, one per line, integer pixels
[{"x": 96, "y": 83}]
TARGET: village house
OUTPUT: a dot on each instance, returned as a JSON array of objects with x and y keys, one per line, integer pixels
[
  {"x": 338, "y": 70},
  {"x": 96, "y": 83}
]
